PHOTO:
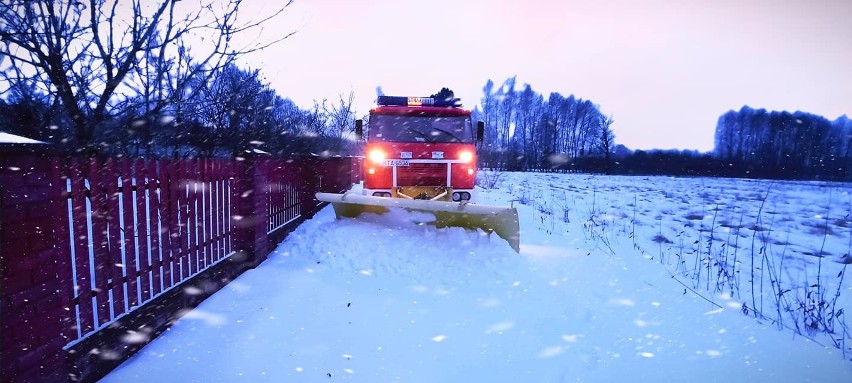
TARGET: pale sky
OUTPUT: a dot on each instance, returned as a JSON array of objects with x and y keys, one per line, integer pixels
[{"x": 665, "y": 70}]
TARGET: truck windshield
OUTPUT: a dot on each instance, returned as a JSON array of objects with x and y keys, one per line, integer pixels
[{"x": 393, "y": 128}]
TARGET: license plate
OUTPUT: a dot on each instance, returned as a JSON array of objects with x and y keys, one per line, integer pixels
[{"x": 395, "y": 163}]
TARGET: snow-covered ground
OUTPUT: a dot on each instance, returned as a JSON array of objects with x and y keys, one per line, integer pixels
[{"x": 611, "y": 285}]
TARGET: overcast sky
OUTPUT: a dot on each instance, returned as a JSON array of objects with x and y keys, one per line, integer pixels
[{"x": 665, "y": 70}]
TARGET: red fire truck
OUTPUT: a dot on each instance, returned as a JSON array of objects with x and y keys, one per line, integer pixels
[
  {"x": 420, "y": 154},
  {"x": 420, "y": 148}
]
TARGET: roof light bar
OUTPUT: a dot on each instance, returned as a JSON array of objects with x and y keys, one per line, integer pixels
[{"x": 417, "y": 101}]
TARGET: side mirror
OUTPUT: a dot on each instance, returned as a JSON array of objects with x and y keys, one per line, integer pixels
[
  {"x": 480, "y": 131},
  {"x": 359, "y": 129}
]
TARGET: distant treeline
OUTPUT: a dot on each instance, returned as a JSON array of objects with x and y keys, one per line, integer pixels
[
  {"x": 525, "y": 131},
  {"x": 755, "y": 143},
  {"x": 798, "y": 145}
]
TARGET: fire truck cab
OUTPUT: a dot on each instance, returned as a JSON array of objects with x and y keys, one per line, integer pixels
[
  {"x": 420, "y": 148},
  {"x": 421, "y": 156}
]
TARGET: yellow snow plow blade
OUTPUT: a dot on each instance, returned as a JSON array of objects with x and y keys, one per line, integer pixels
[{"x": 502, "y": 220}]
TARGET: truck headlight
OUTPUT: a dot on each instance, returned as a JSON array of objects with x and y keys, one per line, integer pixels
[
  {"x": 377, "y": 156},
  {"x": 466, "y": 156}
]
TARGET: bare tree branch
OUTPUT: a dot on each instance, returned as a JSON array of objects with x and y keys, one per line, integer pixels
[{"x": 99, "y": 57}]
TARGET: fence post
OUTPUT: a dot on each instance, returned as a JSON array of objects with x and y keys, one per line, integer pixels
[
  {"x": 340, "y": 174},
  {"x": 355, "y": 169},
  {"x": 262, "y": 175},
  {"x": 310, "y": 179},
  {"x": 250, "y": 219},
  {"x": 35, "y": 276}
]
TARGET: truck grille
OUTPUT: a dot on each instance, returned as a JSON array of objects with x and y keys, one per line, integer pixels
[{"x": 419, "y": 174}]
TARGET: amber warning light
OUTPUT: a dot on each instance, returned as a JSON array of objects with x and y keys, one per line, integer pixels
[{"x": 418, "y": 101}]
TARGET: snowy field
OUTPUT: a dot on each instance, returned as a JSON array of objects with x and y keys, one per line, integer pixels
[{"x": 619, "y": 279}]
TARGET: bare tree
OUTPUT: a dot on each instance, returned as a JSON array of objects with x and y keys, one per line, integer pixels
[
  {"x": 506, "y": 111},
  {"x": 528, "y": 127},
  {"x": 490, "y": 154},
  {"x": 237, "y": 106},
  {"x": 341, "y": 118},
  {"x": 96, "y": 59},
  {"x": 315, "y": 121},
  {"x": 607, "y": 140},
  {"x": 533, "y": 133}
]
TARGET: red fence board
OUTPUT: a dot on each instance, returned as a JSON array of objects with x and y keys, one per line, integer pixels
[
  {"x": 180, "y": 235},
  {"x": 215, "y": 207},
  {"x": 140, "y": 171},
  {"x": 216, "y": 216},
  {"x": 100, "y": 241},
  {"x": 215, "y": 211},
  {"x": 152, "y": 187},
  {"x": 116, "y": 264},
  {"x": 99, "y": 251},
  {"x": 63, "y": 245},
  {"x": 81, "y": 251},
  {"x": 128, "y": 240},
  {"x": 167, "y": 221},
  {"x": 204, "y": 217},
  {"x": 192, "y": 215},
  {"x": 179, "y": 221},
  {"x": 231, "y": 194}
]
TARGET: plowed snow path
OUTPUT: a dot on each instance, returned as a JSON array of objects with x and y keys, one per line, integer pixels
[{"x": 387, "y": 299}]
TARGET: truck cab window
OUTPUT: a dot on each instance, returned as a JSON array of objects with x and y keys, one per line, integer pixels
[{"x": 393, "y": 128}]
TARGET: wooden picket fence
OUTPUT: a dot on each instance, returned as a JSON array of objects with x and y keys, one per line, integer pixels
[
  {"x": 127, "y": 231},
  {"x": 138, "y": 228}
]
